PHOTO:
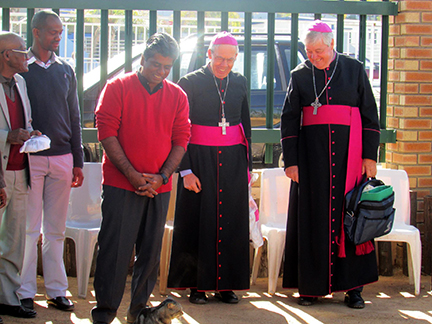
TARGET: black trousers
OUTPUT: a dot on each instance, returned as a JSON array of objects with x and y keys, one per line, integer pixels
[{"x": 128, "y": 220}]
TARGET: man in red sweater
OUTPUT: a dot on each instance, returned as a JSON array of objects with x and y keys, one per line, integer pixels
[{"x": 143, "y": 125}]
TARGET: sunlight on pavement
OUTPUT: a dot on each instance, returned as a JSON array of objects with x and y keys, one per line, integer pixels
[
  {"x": 175, "y": 294},
  {"x": 75, "y": 320},
  {"x": 407, "y": 295},
  {"x": 417, "y": 315},
  {"x": 304, "y": 316},
  {"x": 187, "y": 318},
  {"x": 273, "y": 308},
  {"x": 382, "y": 295},
  {"x": 251, "y": 295}
]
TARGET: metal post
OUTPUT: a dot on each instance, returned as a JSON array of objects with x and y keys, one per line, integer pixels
[
  {"x": 177, "y": 36},
  {"x": 294, "y": 40},
  {"x": 79, "y": 59},
  {"x": 224, "y": 21},
  {"x": 153, "y": 22},
  {"x": 340, "y": 33},
  {"x": 128, "y": 40},
  {"x": 247, "y": 51},
  {"x": 5, "y": 19},
  {"x": 30, "y": 14},
  {"x": 103, "y": 49},
  {"x": 270, "y": 81},
  {"x": 201, "y": 56}
]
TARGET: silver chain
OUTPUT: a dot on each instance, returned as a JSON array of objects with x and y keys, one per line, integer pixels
[
  {"x": 222, "y": 100},
  {"x": 331, "y": 77}
]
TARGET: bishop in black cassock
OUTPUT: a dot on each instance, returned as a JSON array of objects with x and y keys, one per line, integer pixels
[
  {"x": 210, "y": 250},
  {"x": 319, "y": 142}
]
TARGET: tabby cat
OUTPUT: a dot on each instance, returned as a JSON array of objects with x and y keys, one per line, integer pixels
[{"x": 161, "y": 314}]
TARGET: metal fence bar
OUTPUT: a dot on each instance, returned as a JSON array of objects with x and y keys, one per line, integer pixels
[
  {"x": 362, "y": 39},
  {"x": 79, "y": 57},
  {"x": 247, "y": 51},
  {"x": 270, "y": 81},
  {"x": 153, "y": 22},
  {"x": 176, "y": 35},
  {"x": 103, "y": 49},
  {"x": 128, "y": 40},
  {"x": 5, "y": 19},
  {"x": 224, "y": 21},
  {"x": 340, "y": 33},
  {"x": 30, "y": 14},
  {"x": 201, "y": 57},
  {"x": 294, "y": 40}
]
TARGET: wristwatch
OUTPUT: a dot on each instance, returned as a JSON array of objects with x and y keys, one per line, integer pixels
[{"x": 164, "y": 178}]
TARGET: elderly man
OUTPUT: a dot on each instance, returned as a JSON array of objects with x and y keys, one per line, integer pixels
[
  {"x": 15, "y": 128},
  {"x": 143, "y": 125},
  {"x": 53, "y": 95},
  {"x": 330, "y": 137},
  {"x": 211, "y": 232}
]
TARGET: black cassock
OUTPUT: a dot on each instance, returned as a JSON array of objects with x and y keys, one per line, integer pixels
[
  {"x": 210, "y": 249},
  {"x": 316, "y": 204}
]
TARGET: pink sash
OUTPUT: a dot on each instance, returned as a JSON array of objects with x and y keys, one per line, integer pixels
[
  {"x": 350, "y": 116},
  {"x": 212, "y": 135}
]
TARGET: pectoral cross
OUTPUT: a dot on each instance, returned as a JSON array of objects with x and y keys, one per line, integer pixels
[
  {"x": 316, "y": 104},
  {"x": 224, "y": 125}
]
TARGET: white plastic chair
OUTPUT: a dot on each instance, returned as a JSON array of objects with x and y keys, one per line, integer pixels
[
  {"x": 273, "y": 208},
  {"x": 167, "y": 238},
  {"x": 83, "y": 222},
  {"x": 402, "y": 231}
]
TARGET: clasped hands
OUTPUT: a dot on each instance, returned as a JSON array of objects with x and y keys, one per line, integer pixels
[{"x": 146, "y": 184}]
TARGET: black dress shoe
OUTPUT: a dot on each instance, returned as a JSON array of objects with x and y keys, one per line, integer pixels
[
  {"x": 61, "y": 303},
  {"x": 227, "y": 297},
  {"x": 306, "y": 301},
  {"x": 27, "y": 303},
  {"x": 198, "y": 297},
  {"x": 16, "y": 311},
  {"x": 354, "y": 299}
]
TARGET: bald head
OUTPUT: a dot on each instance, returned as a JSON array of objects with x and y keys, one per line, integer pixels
[
  {"x": 10, "y": 40},
  {"x": 13, "y": 58}
]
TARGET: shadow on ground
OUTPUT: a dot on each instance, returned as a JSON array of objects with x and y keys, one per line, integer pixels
[{"x": 391, "y": 300}]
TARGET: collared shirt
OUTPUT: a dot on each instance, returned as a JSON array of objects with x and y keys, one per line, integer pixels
[
  {"x": 8, "y": 87},
  {"x": 146, "y": 85},
  {"x": 33, "y": 59}
]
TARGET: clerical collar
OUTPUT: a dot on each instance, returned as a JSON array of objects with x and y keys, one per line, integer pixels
[{"x": 146, "y": 85}]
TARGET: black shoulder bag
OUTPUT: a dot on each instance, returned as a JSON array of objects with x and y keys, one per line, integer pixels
[{"x": 369, "y": 211}]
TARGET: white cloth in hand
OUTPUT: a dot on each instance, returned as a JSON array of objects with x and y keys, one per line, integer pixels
[{"x": 36, "y": 144}]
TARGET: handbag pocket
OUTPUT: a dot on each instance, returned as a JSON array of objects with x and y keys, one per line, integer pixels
[{"x": 374, "y": 219}]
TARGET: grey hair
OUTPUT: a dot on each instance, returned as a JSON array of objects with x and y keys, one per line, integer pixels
[
  {"x": 313, "y": 36},
  {"x": 213, "y": 47}
]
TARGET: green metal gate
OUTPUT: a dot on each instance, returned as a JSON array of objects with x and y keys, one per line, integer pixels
[{"x": 295, "y": 8}]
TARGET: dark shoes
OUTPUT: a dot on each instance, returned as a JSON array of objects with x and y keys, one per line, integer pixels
[
  {"x": 354, "y": 299},
  {"x": 17, "y": 311},
  {"x": 198, "y": 297},
  {"x": 27, "y": 303},
  {"x": 227, "y": 297},
  {"x": 306, "y": 301},
  {"x": 61, "y": 303}
]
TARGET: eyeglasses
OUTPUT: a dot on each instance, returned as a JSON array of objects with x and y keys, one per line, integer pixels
[
  {"x": 25, "y": 52},
  {"x": 219, "y": 60}
]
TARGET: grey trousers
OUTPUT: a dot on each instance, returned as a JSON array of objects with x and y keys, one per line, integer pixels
[
  {"x": 12, "y": 236},
  {"x": 128, "y": 220}
]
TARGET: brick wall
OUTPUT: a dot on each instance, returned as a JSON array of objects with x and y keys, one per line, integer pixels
[{"x": 410, "y": 96}]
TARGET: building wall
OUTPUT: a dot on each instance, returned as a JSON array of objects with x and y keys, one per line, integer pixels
[
  {"x": 410, "y": 99},
  {"x": 410, "y": 94}
]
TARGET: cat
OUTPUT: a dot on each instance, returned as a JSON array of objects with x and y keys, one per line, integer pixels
[{"x": 161, "y": 314}]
